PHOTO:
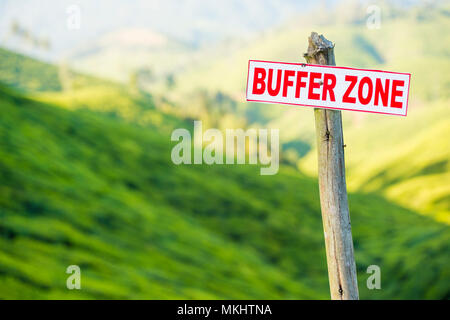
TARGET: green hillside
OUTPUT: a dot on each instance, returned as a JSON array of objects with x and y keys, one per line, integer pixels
[
  {"x": 87, "y": 189},
  {"x": 27, "y": 74},
  {"x": 408, "y": 42}
]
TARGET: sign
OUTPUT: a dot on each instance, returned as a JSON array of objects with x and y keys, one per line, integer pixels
[{"x": 329, "y": 87}]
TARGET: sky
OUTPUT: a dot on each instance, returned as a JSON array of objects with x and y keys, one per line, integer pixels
[{"x": 194, "y": 22}]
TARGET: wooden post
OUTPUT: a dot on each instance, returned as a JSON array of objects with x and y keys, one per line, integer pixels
[{"x": 333, "y": 189}]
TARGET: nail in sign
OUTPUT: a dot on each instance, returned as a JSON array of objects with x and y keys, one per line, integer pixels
[{"x": 329, "y": 87}]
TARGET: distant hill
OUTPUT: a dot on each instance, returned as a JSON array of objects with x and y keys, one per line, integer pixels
[
  {"x": 25, "y": 73},
  {"x": 410, "y": 165},
  {"x": 405, "y": 159},
  {"x": 116, "y": 55},
  {"x": 31, "y": 75}
]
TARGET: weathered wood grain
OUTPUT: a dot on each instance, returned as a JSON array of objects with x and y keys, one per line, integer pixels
[{"x": 332, "y": 185}]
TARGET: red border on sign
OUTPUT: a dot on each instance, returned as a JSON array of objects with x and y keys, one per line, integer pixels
[{"x": 327, "y": 66}]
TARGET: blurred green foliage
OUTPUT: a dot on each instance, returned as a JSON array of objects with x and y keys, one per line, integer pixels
[{"x": 81, "y": 188}]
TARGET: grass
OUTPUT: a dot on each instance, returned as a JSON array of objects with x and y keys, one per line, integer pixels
[{"x": 81, "y": 188}]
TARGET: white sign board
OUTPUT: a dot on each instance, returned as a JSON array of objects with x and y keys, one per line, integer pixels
[{"x": 331, "y": 87}]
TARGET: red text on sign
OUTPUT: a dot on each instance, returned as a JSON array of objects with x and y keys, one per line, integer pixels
[{"x": 321, "y": 86}]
